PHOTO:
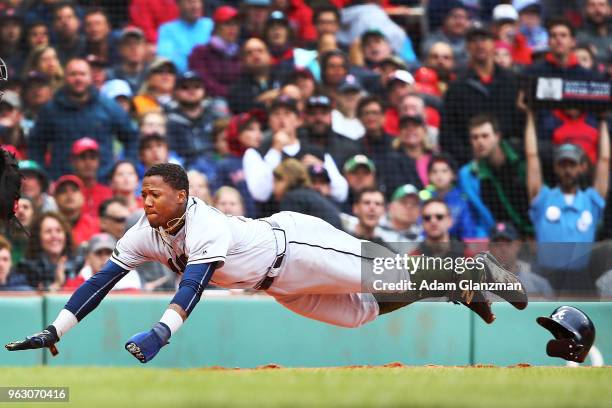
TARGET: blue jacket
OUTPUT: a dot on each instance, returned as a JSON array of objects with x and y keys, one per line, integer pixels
[
  {"x": 463, "y": 221},
  {"x": 470, "y": 185},
  {"x": 62, "y": 121}
]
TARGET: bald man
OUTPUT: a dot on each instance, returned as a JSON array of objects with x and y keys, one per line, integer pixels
[{"x": 258, "y": 84}]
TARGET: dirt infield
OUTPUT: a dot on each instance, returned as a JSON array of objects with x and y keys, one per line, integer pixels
[{"x": 395, "y": 364}]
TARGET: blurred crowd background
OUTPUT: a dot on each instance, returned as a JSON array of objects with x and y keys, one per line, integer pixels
[{"x": 399, "y": 121}]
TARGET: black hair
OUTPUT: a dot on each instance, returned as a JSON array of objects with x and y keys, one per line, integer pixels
[
  {"x": 560, "y": 21},
  {"x": 483, "y": 118},
  {"x": 107, "y": 203},
  {"x": 367, "y": 100},
  {"x": 325, "y": 9},
  {"x": 365, "y": 191},
  {"x": 96, "y": 10},
  {"x": 442, "y": 158},
  {"x": 63, "y": 4},
  {"x": 172, "y": 174},
  {"x": 118, "y": 163},
  {"x": 325, "y": 60}
]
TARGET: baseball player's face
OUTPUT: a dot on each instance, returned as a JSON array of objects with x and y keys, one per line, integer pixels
[{"x": 162, "y": 203}]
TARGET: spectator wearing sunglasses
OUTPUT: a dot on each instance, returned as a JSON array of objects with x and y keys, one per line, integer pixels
[
  {"x": 113, "y": 216},
  {"x": 437, "y": 222}
]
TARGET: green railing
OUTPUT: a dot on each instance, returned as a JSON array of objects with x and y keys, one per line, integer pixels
[{"x": 253, "y": 331}]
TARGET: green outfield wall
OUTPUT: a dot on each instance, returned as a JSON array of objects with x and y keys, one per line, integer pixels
[{"x": 253, "y": 331}]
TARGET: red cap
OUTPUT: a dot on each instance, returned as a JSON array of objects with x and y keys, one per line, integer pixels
[
  {"x": 13, "y": 150},
  {"x": 236, "y": 125},
  {"x": 68, "y": 178},
  {"x": 84, "y": 144},
  {"x": 427, "y": 81},
  {"x": 224, "y": 14}
]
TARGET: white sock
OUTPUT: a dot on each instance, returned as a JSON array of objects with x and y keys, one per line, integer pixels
[
  {"x": 65, "y": 321},
  {"x": 172, "y": 319}
]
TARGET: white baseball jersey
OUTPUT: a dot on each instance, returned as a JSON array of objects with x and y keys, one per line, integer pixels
[
  {"x": 243, "y": 248},
  {"x": 320, "y": 276}
]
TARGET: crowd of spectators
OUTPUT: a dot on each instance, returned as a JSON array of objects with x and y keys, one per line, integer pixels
[{"x": 402, "y": 122}]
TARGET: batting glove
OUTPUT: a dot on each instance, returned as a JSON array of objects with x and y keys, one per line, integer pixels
[
  {"x": 144, "y": 346},
  {"x": 46, "y": 338}
]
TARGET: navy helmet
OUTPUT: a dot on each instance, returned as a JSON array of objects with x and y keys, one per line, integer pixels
[{"x": 574, "y": 333}]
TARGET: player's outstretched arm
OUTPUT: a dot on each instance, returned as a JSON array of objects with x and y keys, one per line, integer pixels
[
  {"x": 144, "y": 346},
  {"x": 86, "y": 298}
]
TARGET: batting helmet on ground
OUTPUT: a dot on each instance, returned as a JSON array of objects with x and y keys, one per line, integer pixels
[{"x": 574, "y": 333}]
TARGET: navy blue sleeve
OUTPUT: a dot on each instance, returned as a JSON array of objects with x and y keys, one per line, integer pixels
[
  {"x": 195, "y": 278},
  {"x": 89, "y": 295}
]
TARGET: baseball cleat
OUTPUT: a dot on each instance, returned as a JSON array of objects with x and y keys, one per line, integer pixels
[
  {"x": 46, "y": 338},
  {"x": 135, "y": 351},
  {"x": 502, "y": 282}
]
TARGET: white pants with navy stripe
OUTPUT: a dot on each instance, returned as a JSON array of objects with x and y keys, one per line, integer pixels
[{"x": 321, "y": 275}]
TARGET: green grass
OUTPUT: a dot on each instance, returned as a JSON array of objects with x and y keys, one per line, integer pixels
[{"x": 385, "y": 387}]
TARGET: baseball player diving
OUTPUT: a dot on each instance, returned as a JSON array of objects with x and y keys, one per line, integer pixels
[{"x": 307, "y": 265}]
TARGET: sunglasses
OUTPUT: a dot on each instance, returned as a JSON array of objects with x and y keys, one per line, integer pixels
[
  {"x": 163, "y": 71},
  {"x": 118, "y": 220},
  {"x": 429, "y": 217}
]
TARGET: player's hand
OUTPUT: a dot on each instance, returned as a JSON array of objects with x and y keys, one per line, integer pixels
[
  {"x": 46, "y": 338},
  {"x": 144, "y": 346}
]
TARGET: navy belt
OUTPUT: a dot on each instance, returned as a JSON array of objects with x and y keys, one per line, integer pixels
[{"x": 272, "y": 273}]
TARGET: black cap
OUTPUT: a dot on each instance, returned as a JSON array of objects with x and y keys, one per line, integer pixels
[
  {"x": 96, "y": 61},
  {"x": 189, "y": 76},
  {"x": 318, "y": 172},
  {"x": 11, "y": 14},
  {"x": 145, "y": 138},
  {"x": 407, "y": 119},
  {"x": 350, "y": 84},
  {"x": 284, "y": 101},
  {"x": 319, "y": 101},
  {"x": 478, "y": 32},
  {"x": 35, "y": 77},
  {"x": 277, "y": 16},
  {"x": 454, "y": 4},
  {"x": 504, "y": 230}
]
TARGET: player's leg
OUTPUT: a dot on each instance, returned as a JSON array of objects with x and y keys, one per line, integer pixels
[
  {"x": 325, "y": 272},
  {"x": 345, "y": 310},
  {"x": 324, "y": 260},
  {"x": 320, "y": 258}
]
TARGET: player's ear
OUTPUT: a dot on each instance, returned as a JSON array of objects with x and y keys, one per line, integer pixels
[{"x": 182, "y": 196}]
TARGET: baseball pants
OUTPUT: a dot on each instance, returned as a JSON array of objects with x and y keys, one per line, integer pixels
[{"x": 321, "y": 275}]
